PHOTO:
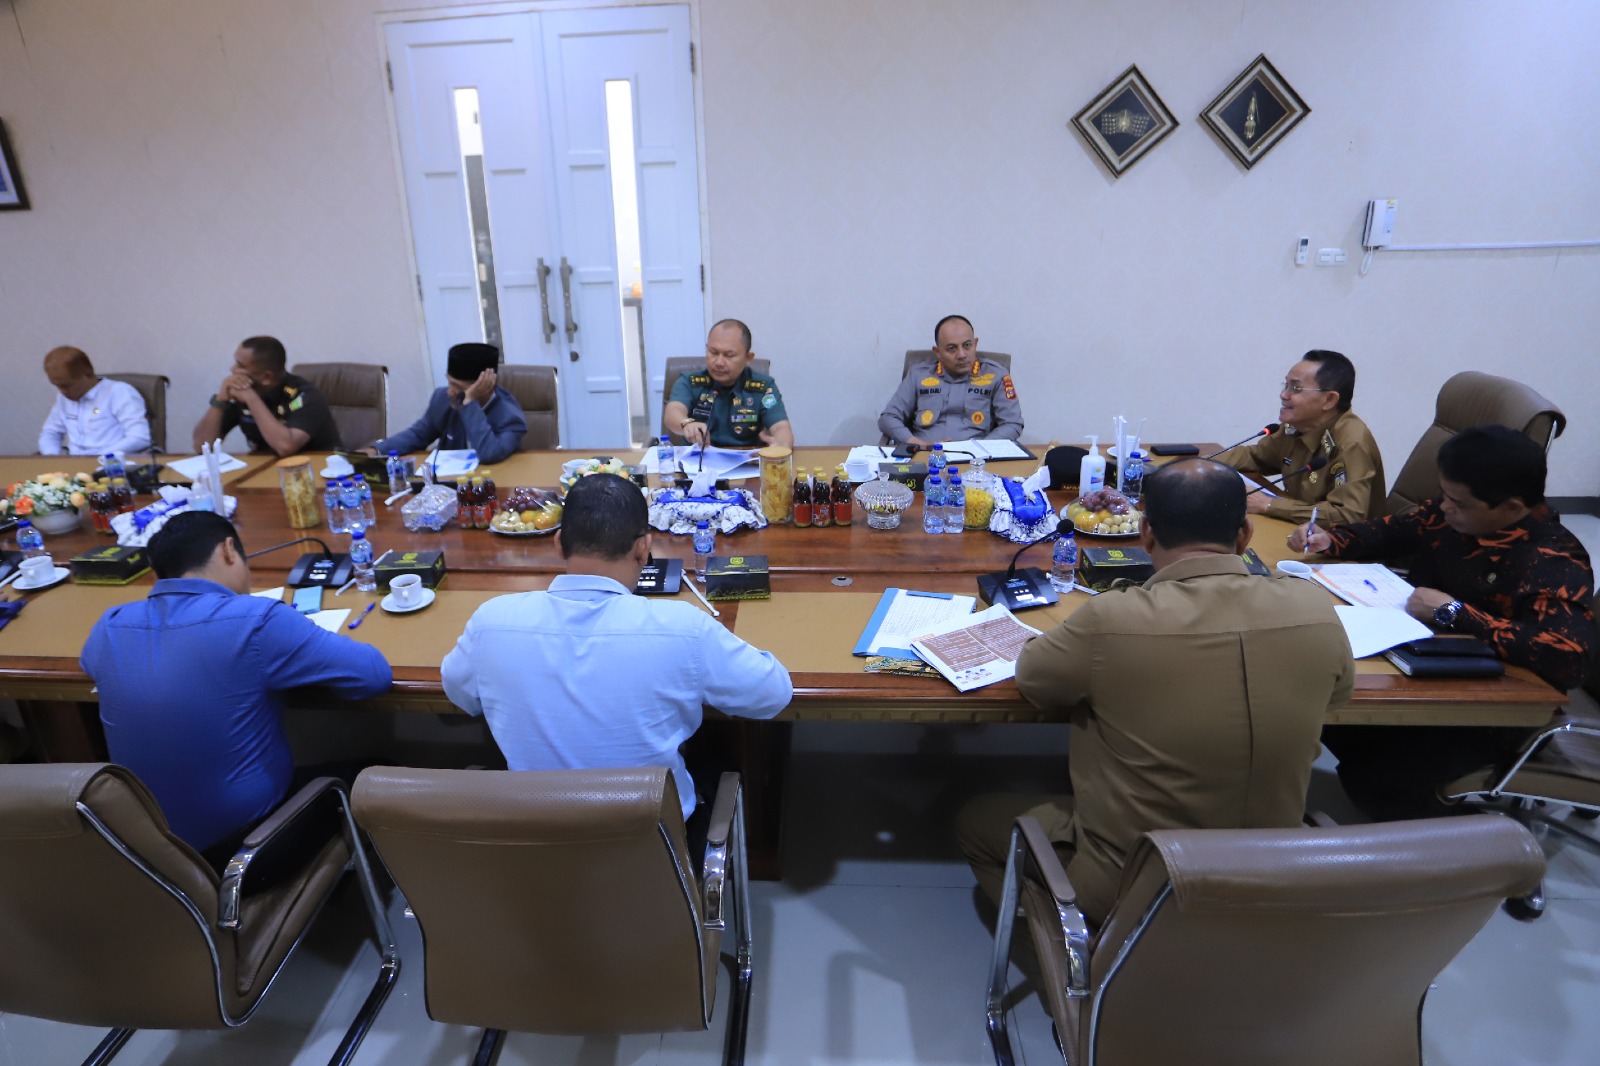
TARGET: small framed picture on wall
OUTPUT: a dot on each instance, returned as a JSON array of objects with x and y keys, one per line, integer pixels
[
  {"x": 12, "y": 195},
  {"x": 1255, "y": 112},
  {"x": 1125, "y": 121}
]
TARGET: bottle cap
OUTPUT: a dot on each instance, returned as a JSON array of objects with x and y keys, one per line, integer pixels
[
  {"x": 23, "y": 523},
  {"x": 356, "y": 534},
  {"x": 704, "y": 524}
]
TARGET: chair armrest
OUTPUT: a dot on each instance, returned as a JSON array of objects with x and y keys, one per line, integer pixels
[
  {"x": 1074, "y": 929},
  {"x": 1320, "y": 820},
  {"x": 714, "y": 867},
  {"x": 288, "y": 814},
  {"x": 1536, "y": 742}
]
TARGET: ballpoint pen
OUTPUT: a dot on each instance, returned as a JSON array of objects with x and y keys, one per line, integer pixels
[
  {"x": 1311, "y": 527},
  {"x": 362, "y": 616},
  {"x": 689, "y": 581}
]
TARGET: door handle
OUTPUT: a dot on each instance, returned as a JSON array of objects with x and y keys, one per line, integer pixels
[
  {"x": 566, "y": 297},
  {"x": 544, "y": 301}
]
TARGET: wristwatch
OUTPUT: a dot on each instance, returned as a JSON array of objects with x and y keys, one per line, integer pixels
[
  {"x": 220, "y": 405},
  {"x": 1445, "y": 617}
]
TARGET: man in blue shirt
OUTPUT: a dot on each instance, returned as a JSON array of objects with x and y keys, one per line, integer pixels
[
  {"x": 469, "y": 412},
  {"x": 191, "y": 682},
  {"x": 588, "y": 675}
]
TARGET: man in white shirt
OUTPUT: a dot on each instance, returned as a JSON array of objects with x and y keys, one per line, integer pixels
[
  {"x": 93, "y": 415},
  {"x": 587, "y": 675}
]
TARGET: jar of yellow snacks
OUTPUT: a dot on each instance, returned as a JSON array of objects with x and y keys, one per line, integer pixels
[
  {"x": 299, "y": 491},
  {"x": 777, "y": 483},
  {"x": 981, "y": 487}
]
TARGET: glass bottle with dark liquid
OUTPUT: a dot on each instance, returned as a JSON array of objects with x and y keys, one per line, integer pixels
[
  {"x": 802, "y": 499},
  {"x": 821, "y": 499}
]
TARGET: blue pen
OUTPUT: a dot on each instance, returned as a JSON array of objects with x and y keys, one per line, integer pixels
[
  {"x": 1369, "y": 584},
  {"x": 931, "y": 595},
  {"x": 362, "y": 616}
]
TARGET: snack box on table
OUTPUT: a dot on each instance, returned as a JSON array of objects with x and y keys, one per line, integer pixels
[
  {"x": 1100, "y": 567},
  {"x": 111, "y": 565},
  {"x": 738, "y": 577},
  {"x": 428, "y": 565},
  {"x": 910, "y": 475}
]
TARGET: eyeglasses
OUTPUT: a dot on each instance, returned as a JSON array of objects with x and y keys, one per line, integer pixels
[{"x": 1289, "y": 386}]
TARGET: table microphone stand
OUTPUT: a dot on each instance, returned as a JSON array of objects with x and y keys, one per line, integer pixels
[
  {"x": 1018, "y": 590},
  {"x": 329, "y": 568}
]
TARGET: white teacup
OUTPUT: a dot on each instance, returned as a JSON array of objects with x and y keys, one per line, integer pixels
[
  {"x": 406, "y": 590},
  {"x": 37, "y": 570},
  {"x": 858, "y": 470},
  {"x": 1294, "y": 568}
]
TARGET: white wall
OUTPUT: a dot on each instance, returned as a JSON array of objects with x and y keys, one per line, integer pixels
[{"x": 206, "y": 169}]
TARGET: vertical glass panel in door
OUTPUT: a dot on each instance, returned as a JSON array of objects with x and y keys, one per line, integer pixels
[
  {"x": 469, "y": 132},
  {"x": 630, "y": 276}
]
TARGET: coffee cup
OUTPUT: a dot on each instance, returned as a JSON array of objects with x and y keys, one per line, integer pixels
[
  {"x": 406, "y": 590},
  {"x": 1294, "y": 568},
  {"x": 37, "y": 570},
  {"x": 858, "y": 470}
]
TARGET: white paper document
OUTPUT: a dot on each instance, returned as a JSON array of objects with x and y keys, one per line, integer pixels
[
  {"x": 1364, "y": 584},
  {"x": 270, "y": 594},
  {"x": 730, "y": 463},
  {"x": 451, "y": 463},
  {"x": 330, "y": 620},
  {"x": 871, "y": 454},
  {"x": 903, "y": 615},
  {"x": 1252, "y": 485},
  {"x": 988, "y": 449},
  {"x": 976, "y": 651},
  {"x": 1373, "y": 630},
  {"x": 195, "y": 465}
]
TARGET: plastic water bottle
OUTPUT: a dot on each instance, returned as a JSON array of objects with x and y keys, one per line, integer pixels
[
  {"x": 369, "y": 510},
  {"x": 665, "y": 457},
  {"x": 112, "y": 464},
  {"x": 933, "y": 505},
  {"x": 1133, "y": 477},
  {"x": 361, "y": 561},
  {"x": 332, "y": 504},
  {"x": 1064, "y": 563},
  {"x": 937, "y": 460},
  {"x": 29, "y": 540},
  {"x": 705, "y": 541},
  {"x": 955, "y": 504},
  {"x": 350, "y": 500},
  {"x": 398, "y": 482}
]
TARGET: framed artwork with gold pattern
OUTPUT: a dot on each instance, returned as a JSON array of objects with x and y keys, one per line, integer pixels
[
  {"x": 1255, "y": 112},
  {"x": 1125, "y": 121}
]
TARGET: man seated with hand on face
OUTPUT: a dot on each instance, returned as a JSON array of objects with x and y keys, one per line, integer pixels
[
  {"x": 1195, "y": 699},
  {"x": 950, "y": 396},
  {"x": 275, "y": 410},
  {"x": 1324, "y": 453},
  {"x": 93, "y": 415},
  {"x": 729, "y": 404},
  {"x": 471, "y": 411},
  {"x": 1489, "y": 559},
  {"x": 587, "y": 675}
]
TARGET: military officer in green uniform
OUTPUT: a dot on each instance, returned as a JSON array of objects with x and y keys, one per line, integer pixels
[
  {"x": 728, "y": 404},
  {"x": 951, "y": 396},
  {"x": 275, "y": 410},
  {"x": 1317, "y": 424}
]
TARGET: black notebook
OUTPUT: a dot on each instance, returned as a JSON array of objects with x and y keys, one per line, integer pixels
[{"x": 1446, "y": 656}]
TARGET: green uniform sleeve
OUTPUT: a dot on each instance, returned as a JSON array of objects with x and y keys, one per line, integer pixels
[{"x": 771, "y": 416}]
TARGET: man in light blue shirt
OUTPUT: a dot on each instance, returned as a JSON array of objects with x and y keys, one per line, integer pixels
[
  {"x": 588, "y": 675},
  {"x": 471, "y": 411},
  {"x": 192, "y": 679}
]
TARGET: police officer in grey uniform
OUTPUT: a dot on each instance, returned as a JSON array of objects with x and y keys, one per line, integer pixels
[{"x": 950, "y": 396}]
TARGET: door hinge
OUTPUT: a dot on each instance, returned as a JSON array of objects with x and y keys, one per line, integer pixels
[
  {"x": 691, "y": 57},
  {"x": 702, "y": 277},
  {"x": 388, "y": 72}
]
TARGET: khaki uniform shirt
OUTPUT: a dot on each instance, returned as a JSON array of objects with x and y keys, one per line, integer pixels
[
  {"x": 933, "y": 406},
  {"x": 1349, "y": 488},
  {"x": 1196, "y": 702}
]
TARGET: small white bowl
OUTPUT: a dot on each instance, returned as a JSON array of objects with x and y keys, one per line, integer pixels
[{"x": 1294, "y": 568}]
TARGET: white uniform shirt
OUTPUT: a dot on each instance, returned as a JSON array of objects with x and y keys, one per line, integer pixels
[
  {"x": 588, "y": 676},
  {"x": 108, "y": 418}
]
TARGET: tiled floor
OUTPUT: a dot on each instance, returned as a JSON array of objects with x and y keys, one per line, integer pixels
[{"x": 871, "y": 950}]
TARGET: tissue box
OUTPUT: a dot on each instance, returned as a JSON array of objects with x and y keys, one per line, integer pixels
[
  {"x": 737, "y": 577},
  {"x": 908, "y": 474},
  {"x": 428, "y": 565},
  {"x": 1102, "y": 566},
  {"x": 111, "y": 565}
]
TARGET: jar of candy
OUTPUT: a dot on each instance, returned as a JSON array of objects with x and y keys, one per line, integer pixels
[
  {"x": 777, "y": 483},
  {"x": 299, "y": 487}
]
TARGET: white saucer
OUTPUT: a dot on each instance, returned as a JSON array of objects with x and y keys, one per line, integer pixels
[
  {"x": 388, "y": 603},
  {"x": 57, "y": 576}
]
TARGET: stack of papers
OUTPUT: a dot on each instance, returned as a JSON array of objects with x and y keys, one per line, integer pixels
[
  {"x": 1364, "y": 584},
  {"x": 729, "y": 463},
  {"x": 977, "y": 651},
  {"x": 194, "y": 466},
  {"x": 904, "y": 615},
  {"x": 448, "y": 463},
  {"x": 1372, "y": 630},
  {"x": 989, "y": 449}
]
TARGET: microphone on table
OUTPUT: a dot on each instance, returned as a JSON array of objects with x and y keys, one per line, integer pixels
[
  {"x": 146, "y": 477},
  {"x": 1016, "y": 589},
  {"x": 1316, "y": 463},
  {"x": 330, "y": 568},
  {"x": 1266, "y": 431}
]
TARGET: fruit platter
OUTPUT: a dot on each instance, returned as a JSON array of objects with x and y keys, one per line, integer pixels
[
  {"x": 1104, "y": 513},
  {"x": 527, "y": 512},
  {"x": 573, "y": 469}
]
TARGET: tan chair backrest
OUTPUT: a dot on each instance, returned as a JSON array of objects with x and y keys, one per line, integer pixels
[
  {"x": 88, "y": 937},
  {"x": 679, "y": 365},
  {"x": 916, "y": 355},
  {"x": 153, "y": 387},
  {"x": 1472, "y": 399},
  {"x": 549, "y": 901},
  {"x": 535, "y": 390},
  {"x": 358, "y": 395},
  {"x": 1311, "y": 946}
]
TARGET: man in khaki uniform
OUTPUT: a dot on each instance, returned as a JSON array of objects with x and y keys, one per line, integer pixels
[
  {"x": 951, "y": 395},
  {"x": 1196, "y": 700},
  {"x": 1317, "y": 424}
]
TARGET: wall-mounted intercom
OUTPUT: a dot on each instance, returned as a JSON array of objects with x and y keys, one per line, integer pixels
[{"x": 1379, "y": 230}]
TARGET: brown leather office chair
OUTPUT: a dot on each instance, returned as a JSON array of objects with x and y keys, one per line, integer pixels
[
  {"x": 535, "y": 390},
  {"x": 677, "y": 366},
  {"x": 358, "y": 395},
  {"x": 153, "y": 387},
  {"x": 914, "y": 355},
  {"x": 1258, "y": 947},
  {"x": 1472, "y": 399},
  {"x": 1558, "y": 767},
  {"x": 564, "y": 901},
  {"x": 110, "y": 920}
]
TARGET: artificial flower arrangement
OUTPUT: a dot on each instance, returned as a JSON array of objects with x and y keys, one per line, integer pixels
[{"x": 46, "y": 493}]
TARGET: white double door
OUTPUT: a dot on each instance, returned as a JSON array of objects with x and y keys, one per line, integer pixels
[{"x": 541, "y": 83}]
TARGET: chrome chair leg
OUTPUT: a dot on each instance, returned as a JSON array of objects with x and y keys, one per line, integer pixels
[
  {"x": 389, "y": 968},
  {"x": 489, "y": 1047},
  {"x": 108, "y": 1047},
  {"x": 1000, "y": 961},
  {"x": 743, "y": 967}
]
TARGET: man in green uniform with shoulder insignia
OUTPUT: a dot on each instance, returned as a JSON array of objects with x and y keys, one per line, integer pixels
[
  {"x": 950, "y": 395},
  {"x": 728, "y": 404},
  {"x": 1325, "y": 454},
  {"x": 275, "y": 410}
]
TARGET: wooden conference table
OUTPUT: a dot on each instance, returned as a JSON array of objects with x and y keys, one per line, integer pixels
[{"x": 825, "y": 583}]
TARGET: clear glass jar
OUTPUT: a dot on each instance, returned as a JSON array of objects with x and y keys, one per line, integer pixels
[
  {"x": 777, "y": 483},
  {"x": 300, "y": 497}
]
